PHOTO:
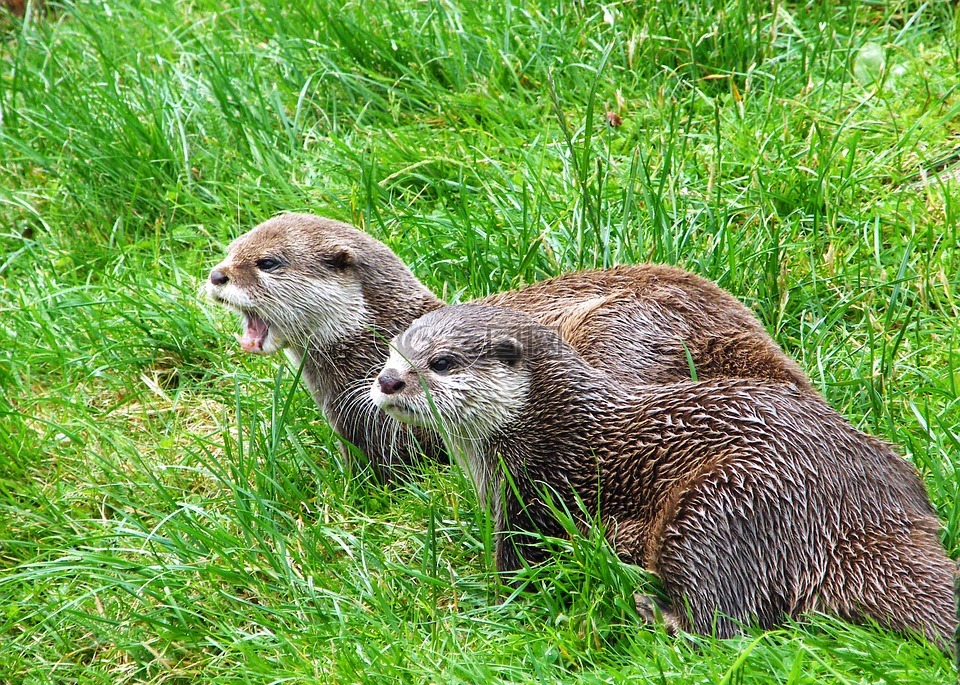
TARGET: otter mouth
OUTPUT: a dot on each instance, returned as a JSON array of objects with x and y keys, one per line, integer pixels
[
  {"x": 256, "y": 337},
  {"x": 255, "y": 332},
  {"x": 401, "y": 412}
]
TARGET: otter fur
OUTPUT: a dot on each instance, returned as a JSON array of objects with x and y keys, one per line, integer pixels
[
  {"x": 330, "y": 296},
  {"x": 752, "y": 501}
]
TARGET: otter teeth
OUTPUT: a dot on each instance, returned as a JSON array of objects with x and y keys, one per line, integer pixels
[{"x": 255, "y": 332}]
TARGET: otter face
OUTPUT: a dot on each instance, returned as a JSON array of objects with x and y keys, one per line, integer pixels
[
  {"x": 465, "y": 379},
  {"x": 293, "y": 282}
]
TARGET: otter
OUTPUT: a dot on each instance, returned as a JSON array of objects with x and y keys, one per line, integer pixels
[
  {"x": 331, "y": 297},
  {"x": 752, "y": 501}
]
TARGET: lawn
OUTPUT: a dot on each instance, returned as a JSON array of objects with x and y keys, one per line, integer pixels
[{"x": 174, "y": 511}]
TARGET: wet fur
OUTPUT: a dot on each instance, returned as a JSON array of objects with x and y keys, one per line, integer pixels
[
  {"x": 344, "y": 294},
  {"x": 753, "y": 501}
]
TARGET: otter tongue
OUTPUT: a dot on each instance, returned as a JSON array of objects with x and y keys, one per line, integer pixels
[{"x": 254, "y": 333}]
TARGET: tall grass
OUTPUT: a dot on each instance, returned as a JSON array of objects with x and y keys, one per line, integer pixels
[{"x": 173, "y": 511}]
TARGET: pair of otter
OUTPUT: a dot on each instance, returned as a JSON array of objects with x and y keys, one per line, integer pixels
[
  {"x": 331, "y": 297},
  {"x": 749, "y": 497}
]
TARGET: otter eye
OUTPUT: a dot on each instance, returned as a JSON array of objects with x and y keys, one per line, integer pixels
[
  {"x": 269, "y": 264},
  {"x": 441, "y": 365}
]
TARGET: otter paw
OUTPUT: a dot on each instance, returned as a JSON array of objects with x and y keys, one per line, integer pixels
[{"x": 654, "y": 610}]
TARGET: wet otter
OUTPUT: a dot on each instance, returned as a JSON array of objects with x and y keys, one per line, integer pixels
[
  {"x": 752, "y": 501},
  {"x": 330, "y": 296}
]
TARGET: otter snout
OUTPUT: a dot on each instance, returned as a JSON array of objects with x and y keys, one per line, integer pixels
[
  {"x": 218, "y": 277},
  {"x": 393, "y": 392},
  {"x": 390, "y": 383}
]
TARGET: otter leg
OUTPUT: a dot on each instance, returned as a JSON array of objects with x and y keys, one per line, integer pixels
[
  {"x": 513, "y": 530},
  {"x": 725, "y": 560},
  {"x": 654, "y": 610},
  {"x": 902, "y": 581},
  {"x": 732, "y": 560},
  {"x": 522, "y": 517}
]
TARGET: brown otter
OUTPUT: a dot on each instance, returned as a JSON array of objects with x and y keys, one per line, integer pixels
[
  {"x": 751, "y": 500},
  {"x": 330, "y": 296}
]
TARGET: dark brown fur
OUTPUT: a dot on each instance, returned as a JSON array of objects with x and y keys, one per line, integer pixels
[
  {"x": 15, "y": 7},
  {"x": 634, "y": 321},
  {"x": 631, "y": 322},
  {"x": 752, "y": 501}
]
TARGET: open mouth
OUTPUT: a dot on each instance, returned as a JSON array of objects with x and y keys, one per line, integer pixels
[
  {"x": 256, "y": 329},
  {"x": 255, "y": 332},
  {"x": 400, "y": 412}
]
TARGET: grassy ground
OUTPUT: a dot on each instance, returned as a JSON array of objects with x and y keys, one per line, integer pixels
[{"x": 172, "y": 511}]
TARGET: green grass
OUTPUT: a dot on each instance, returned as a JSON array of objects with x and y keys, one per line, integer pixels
[{"x": 173, "y": 511}]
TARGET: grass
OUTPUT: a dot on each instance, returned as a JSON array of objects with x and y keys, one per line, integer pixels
[{"x": 172, "y": 511}]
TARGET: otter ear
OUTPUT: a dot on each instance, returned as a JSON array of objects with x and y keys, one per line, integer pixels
[
  {"x": 341, "y": 258},
  {"x": 507, "y": 349}
]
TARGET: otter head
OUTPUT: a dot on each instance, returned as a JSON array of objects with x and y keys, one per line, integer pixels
[
  {"x": 296, "y": 280},
  {"x": 461, "y": 370}
]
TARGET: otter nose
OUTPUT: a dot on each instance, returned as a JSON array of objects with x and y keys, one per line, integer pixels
[
  {"x": 217, "y": 277},
  {"x": 390, "y": 384}
]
